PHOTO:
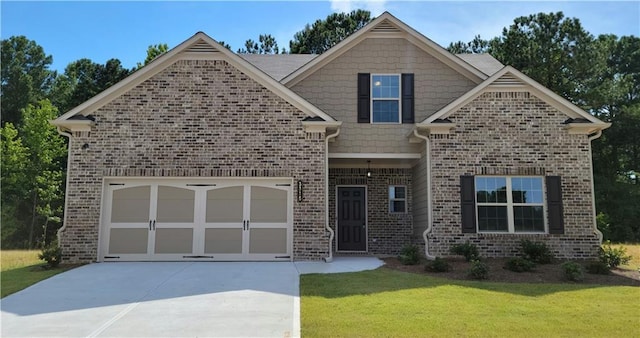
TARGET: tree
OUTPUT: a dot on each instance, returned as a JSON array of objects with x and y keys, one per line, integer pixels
[
  {"x": 324, "y": 34},
  {"x": 475, "y": 46},
  {"x": 14, "y": 180},
  {"x": 224, "y": 44},
  {"x": 554, "y": 50},
  {"x": 153, "y": 51},
  {"x": 84, "y": 79},
  {"x": 267, "y": 45},
  {"x": 25, "y": 76}
]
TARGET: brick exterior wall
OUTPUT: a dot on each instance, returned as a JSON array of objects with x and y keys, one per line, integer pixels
[
  {"x": 387, "y": 232},
  {"x": 196, "y": 118},
  {"x": 512, "y": 133},
  {"x": 333, "y": 88}
]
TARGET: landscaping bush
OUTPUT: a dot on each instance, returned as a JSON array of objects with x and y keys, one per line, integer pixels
[
  {"x": 409, "y": 255},
  {"x": 468, "y": 250},
  {"x": 438, "y": 265},
  {"x": 478, "y": 270},
  {"x": 598, "y": 268},
  {"x": 536, "y": 252},
  {"x": 52, "y": 255},
  {"x": 519, "y": 264},
  {"x": 613, "y": 257},
  {"x": 573, "y": 271}
]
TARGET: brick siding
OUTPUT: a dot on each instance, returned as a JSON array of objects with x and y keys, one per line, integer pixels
[
  {"x": 512, "y": 133},
  {"x": 196, "y": 118}
]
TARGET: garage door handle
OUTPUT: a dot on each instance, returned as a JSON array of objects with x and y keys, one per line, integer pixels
[
  {"x": 154, "y": 224},
  {"x": 247, "y": 224},
  {"x": 149, "y": 225},
  {"x": 244, "y": 225}
]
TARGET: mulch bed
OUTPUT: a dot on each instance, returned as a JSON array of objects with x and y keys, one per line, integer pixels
[{"x": 547, "y": 273}]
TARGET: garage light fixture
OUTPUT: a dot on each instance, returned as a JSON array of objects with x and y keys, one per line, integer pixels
[{"x": 369, "y": 169}]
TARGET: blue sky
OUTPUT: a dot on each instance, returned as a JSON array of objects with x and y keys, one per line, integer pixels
[{"x": 122, "y": 29}]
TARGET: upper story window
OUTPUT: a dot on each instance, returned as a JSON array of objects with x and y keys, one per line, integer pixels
[
  {"x": 510, "y": 204},
  {"x": 385, "y": 98}
]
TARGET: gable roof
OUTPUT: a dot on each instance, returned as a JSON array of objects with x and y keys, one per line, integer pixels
[
  {"x": 278, "y": 65},
  {"x": 512, "y": 79},
  {"x": 199, "y": 47},
  {"x": 386, "y": 26}
]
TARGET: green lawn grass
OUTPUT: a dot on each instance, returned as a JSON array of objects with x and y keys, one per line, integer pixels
[
  {"x": 21, "y": 269},
  {"x": 388, "y": 303}
]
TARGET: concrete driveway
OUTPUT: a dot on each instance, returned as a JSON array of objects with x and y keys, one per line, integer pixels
[{"x": 167, "y": 299}]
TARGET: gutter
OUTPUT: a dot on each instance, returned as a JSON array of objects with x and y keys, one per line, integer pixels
[
  {"x": 66, "y": 186},
  {"x": 429, "y": 203},
  {"x": 593, "y": 190},
  {"x": 329, "y": 258}
]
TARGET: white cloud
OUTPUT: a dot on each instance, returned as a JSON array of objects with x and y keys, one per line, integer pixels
[{"x": 376, "y": 7}]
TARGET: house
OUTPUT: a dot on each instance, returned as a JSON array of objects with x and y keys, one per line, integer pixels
[{"x": 384, "y": 140}]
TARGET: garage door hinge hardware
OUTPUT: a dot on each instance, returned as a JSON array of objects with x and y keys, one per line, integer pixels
[
  {"x": 201, "y": 185},
  {"x": 283, "y": 185},
  {"x": 116, "y": 183},
  {"x": 283, "y": 257},
  {"x": 197, "y": 256},
  {"x": 109, "y": 257}
]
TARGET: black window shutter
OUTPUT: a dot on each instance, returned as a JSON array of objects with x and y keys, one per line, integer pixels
[
  {"x": 408, "y": 103},
  {"x": 364, "y": 90},
  {"x": 468, "y": 203},
  {"x": 554, "y": 204}
]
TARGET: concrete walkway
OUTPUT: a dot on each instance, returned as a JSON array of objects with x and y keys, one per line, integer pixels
[{"x": 168, "y": 299}]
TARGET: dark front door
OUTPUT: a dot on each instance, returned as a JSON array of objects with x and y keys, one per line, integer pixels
[{"x": 352, "y": 224}]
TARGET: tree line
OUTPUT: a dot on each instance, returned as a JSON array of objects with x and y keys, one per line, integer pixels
[{"x": 600, "y": 74}]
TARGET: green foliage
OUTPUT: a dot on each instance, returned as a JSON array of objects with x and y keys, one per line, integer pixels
[
  {"x": 153, "y": 51},
  {"x": 573, "y": 271},
  {"x": 598, "y": 268},
  {"x": 613, "y": 257},
  {"x": 478, "y": 270},
  {"x": 51, "y": 254},
  {"x": 438, "y": 265},
  {"x": 26, "y": 77},
  {"x": 519, "y": 264},
  {"x": 536, "y": 252},
  {"x": 409, "y": 255},
  {"x": 468, "y": 250},
  {"x": 324, "y": 34},
  {"x": 267, "y": 45}
]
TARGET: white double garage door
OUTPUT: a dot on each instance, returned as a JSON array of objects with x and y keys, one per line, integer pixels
[{"x": 197, "y": 219}]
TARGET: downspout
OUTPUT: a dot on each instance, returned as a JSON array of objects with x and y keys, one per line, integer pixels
[
  {"x": 66, "y": 186},
  {"x": 427, "y": 146},
  {"x": 593, "y": 190},
  {"x": 329, "y": 258}
]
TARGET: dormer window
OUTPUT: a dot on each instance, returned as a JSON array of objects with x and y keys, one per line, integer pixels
[{"x": 385, "y": 98}]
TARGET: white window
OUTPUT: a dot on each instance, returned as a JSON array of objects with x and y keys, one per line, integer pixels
[
  {"x": 397, "y": 199},
  {"x": 385, "y": 99},
  {"x": 510, "y": 204}
]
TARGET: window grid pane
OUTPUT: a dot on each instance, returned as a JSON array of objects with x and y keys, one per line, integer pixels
[
  {"x": 493, "y": 218},
  {"x": 528, "y": 219},
  {"x": 386, "y": 111},
  {"x": 397, "y": 199},
  {"x": 385, "y": 87}
]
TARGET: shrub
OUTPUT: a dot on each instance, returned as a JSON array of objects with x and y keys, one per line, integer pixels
[
  {"x": 519, "y": 264},
  {"x": 409, "y": 255},
  {"x": 51, "y": 254},
  {"x": 438, "y": 265},
  {"x": 536, "y": 252},
  {"x": 573, "y": 271},
  {"x": 613, "y": 257},
  {"x": 478, "y": 270},
  {"x": 468, "y": 250},
  {"x": 598, "y": 268}
]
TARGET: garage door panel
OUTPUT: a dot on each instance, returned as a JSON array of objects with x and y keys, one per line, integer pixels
[
  {"x": 128, "y": 241},
  {"x": 225, "y": 205},
  {"x": 223, "y": 241},
  {"x": 268, "y": 241},
  {"x": 131, "y": 205},
  {"x": 175, "y": 205},
  {"x": 174, "y": 241},
  {"x": 268, "y": 205}
]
